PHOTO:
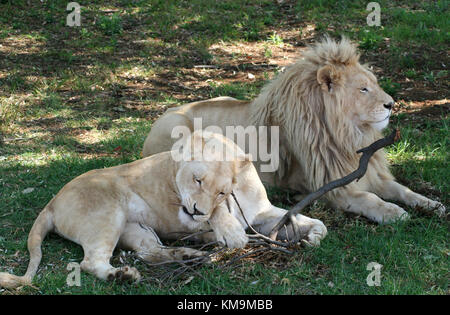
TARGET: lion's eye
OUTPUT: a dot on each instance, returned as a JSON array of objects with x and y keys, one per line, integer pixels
[
  {"x": 221, "y": 194},
  {"x": 198, "y": 181},
  {"x": 364, "y": 90}
]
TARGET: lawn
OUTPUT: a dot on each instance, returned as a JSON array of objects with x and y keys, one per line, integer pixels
[{"x": 74, "y": 99}]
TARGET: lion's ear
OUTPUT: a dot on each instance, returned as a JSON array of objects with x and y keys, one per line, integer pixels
[{"x": 328, "y": 78}]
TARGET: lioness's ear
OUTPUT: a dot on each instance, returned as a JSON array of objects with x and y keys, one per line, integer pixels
[
  {"x": 328, "y": 77},
  {"x": 243, "y": 162},
  {"x": 197, "y": 143}
]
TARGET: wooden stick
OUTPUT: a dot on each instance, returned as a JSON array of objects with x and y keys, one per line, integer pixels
[{"x": 367, "y": 153}]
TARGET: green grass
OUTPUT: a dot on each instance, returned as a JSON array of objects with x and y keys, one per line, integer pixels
[{"x": 76, "y": 99}]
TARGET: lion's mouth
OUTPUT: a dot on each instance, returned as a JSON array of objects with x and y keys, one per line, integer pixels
[{"x": 378, "y": 121}]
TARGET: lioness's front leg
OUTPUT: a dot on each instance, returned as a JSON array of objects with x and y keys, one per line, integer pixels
[
  {"x": 227, "y": 229},
  {"x": 392, "y": 190},
  {"x": 311, "y": 230},
  {"x": 263, "y": 216},
  {"x": 369, "y": 205}
]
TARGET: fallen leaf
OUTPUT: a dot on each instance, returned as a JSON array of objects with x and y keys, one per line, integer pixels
[
  {"x": 28, "y": 190},
  {"x": 188, "y": 280}
]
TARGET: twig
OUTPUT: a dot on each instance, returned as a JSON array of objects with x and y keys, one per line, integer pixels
[
  {"x": 18, "y": 139},
  {"x": 235, "y": 259},
  {"x": 240, "y": 67},
  {"x": 206, "y": 67},
  {"x": 255, "y": 240},
  {"x": 367, "y": 153}
]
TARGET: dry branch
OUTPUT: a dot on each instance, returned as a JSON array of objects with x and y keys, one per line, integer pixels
[{"x": 367, "y": 153}]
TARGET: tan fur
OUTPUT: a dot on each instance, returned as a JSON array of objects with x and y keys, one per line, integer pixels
[
  {"x": 325, "y": 115},
  {"x": 132, "y": 204}
]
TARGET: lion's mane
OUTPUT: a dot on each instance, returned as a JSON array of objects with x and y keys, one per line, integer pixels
[{"x": 317, "y": 133}]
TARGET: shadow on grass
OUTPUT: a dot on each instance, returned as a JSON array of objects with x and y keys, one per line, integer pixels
[{"x": 141, "y": 27}]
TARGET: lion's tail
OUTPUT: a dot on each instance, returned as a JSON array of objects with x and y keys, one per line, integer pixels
[{"x": 42, "y": 225}]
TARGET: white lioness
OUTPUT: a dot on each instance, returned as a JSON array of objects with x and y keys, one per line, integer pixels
[
  {"x": 327, "y": 106},
  {"x": 132, "y": 204}
]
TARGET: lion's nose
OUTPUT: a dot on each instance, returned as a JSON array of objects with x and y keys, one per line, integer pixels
[
  {"x": 196, "y": 211},
  {"x": 389, "y": 105}
]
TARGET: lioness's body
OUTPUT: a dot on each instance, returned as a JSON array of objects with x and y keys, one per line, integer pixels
[
  {"x": 132, "y": 204},
  {"x": 126, "y": 191}
]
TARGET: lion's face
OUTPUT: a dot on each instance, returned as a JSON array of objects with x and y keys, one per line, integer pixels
[
  {"x": 369, "y": 104},
  {"x": 202, "y": 186}
]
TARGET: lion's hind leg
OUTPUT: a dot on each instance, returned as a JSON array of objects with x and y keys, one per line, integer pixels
[{"x": 148, "y": 246}]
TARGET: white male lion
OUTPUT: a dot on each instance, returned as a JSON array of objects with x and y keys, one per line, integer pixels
[
  {"x": 327, "y": 106},
  {"x": 132, "y": 204}
]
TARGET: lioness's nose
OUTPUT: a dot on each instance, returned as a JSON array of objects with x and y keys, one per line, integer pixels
[
  {"x": 196, "y": 211},
  {"x": 389, "y": 105}
]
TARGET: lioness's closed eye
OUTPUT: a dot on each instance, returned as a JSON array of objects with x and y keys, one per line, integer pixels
[{"x": 200, "y": 190}]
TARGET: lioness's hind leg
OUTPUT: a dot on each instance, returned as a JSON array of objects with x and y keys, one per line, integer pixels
[
  {"x": 97, "y": 263},
  {"x": 147, "y": 245},
  {"x": 98, "y": 252}
]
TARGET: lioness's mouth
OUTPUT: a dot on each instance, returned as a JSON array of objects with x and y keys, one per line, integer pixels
[{"x": 185, "y": 210}]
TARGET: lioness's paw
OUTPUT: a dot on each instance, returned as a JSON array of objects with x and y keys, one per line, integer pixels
[
  {"x": 317, "y": 233},
  {"x": 316, "y": 230},
  {"x": 232, "y": 236},
  {"x": 305, "y": 229},
  {"x": 125, "y": 274},
  {"x": 193, "y": 254}
]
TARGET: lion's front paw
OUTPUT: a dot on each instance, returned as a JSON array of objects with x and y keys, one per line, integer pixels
[
  {"x": 440, "y": 209},
  {"x": 232, "y": 236},
  {"x": 437, "y": 207},
  {"x": 392, "y": 212}
]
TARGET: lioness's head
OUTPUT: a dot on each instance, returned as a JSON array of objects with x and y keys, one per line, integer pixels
[
  {"x": 207, "y": 179},
  {"x": 343, "y": 79}
]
